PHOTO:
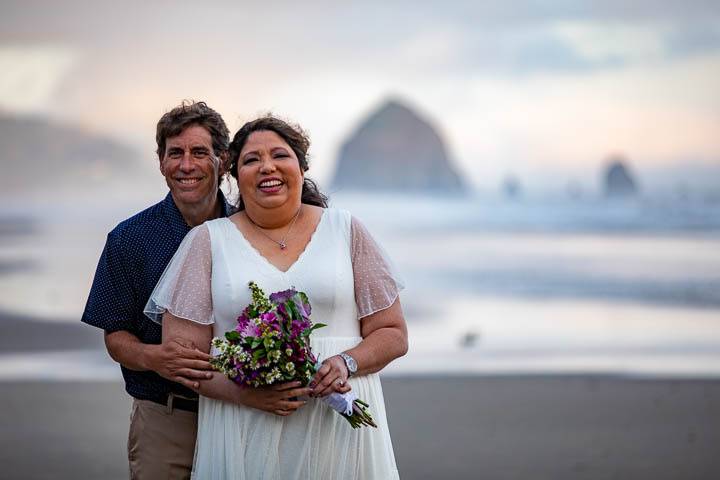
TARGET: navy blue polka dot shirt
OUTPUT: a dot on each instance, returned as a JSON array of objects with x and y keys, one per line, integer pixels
[{"x": 135, "y": 255}]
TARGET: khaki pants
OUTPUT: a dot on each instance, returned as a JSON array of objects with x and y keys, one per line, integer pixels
[{"x": 161, "y": 443}]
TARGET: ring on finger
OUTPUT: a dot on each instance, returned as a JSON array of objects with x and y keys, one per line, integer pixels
[{"x": 340, "y": 382}]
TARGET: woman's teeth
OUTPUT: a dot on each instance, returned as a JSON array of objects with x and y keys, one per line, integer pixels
[{"x": 270, "y": 184}]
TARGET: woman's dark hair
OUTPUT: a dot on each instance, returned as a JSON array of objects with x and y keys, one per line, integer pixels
[{"x": 295, "y": 137}]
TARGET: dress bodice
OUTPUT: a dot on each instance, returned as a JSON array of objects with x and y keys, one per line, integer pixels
[{"x": 323, "y": 271}]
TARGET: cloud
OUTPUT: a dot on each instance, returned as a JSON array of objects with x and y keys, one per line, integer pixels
[
  {"x": 31, "y": 75},
  {"x": 511, "y": 85}
]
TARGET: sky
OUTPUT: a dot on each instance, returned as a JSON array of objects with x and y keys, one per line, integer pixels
[{"x": 541, "y": 90}]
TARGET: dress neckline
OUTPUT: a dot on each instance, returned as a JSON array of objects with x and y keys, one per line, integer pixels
[{"x": 264, "y": 259}]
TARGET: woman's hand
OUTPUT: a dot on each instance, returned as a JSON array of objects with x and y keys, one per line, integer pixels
[
  {"x": 331, "y": 377},
  {"x": 281, "y": 399}
]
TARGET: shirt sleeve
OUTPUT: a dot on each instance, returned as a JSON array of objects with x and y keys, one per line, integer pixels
[
  {"x": 184, "y": 289},
  {"x": 112, "y": 298},
  {"x": 377, "y": 282}
]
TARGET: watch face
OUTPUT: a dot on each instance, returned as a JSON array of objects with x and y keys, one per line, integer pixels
[{"x": 350, "y": 362}]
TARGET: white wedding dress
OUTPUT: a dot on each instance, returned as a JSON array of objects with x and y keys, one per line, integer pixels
[{"x": 346, "y": 276}]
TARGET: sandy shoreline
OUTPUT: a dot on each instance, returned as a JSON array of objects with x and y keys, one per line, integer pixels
[
  {"x": 461, "y": 426},
  {"x": 536, "y": 427}
]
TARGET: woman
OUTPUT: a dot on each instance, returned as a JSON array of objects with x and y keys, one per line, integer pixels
[{"x": 283, "y": 236}]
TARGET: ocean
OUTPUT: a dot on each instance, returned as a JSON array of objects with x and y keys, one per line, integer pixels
[{"x": 493, "y": 285}]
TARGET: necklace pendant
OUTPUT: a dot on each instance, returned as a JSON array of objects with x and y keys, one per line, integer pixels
[{"x": 282, "y": 245}]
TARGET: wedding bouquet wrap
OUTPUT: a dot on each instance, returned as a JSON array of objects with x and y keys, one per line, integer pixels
[{"x": 271, "y": 344}]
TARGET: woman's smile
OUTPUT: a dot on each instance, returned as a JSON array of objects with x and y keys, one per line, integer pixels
[
  {"x": 269, "y": 173},
  {"x": 270, "y": 185}
]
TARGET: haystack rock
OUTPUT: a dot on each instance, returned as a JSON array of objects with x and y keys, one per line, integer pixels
[
  {"x": 618, "y": 180},
  {"x": 396, "y": 150}
]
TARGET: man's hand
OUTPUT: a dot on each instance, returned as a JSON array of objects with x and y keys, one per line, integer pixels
[
  {"x": 281, "y": 399},
  {"x": 331, "y": 377},
  {"x": 180, "y": 361}
]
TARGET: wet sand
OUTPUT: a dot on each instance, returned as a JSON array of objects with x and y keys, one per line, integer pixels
[
  {"x": 460, "y": 427},
  {"x": 474, "y": 427}
]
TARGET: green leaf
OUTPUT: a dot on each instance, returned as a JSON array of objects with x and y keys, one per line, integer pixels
[
  {"x": 232, "y": 336},
  {"x": 268, "y": 343},
  {"x": 258, "y": 354},
  {"x": 309, "y": 330},
  {"x": 292, "y": 309}
]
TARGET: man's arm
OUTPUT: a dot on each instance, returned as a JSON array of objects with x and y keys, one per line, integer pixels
[{"x": 177, "y": 360}]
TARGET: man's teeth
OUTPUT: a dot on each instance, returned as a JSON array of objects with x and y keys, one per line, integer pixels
[
  {"x": 270, "y": 184},
  {"x": 189, "y": 181}
]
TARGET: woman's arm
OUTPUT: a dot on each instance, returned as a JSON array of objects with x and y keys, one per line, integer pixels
[
  {"x": 275, "y": 399},
  {"x": 384, "y": 339}
]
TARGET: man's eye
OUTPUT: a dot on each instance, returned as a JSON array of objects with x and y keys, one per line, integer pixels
[
  {"x": 175, "y": 154},
  {"x": 201, "y": 154}
]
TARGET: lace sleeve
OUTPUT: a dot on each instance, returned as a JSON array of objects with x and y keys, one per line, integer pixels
[
  {"x": 377, "y": 283},
  {"x": 184, "y": 287}
]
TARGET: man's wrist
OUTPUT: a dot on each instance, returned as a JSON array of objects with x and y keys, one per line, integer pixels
[{"x": 148, "y": 353}]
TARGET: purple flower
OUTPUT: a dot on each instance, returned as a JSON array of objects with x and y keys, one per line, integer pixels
[
  {"x": 303, "y": 305},
  {"x": 281, "y": 297},
  {"x": 249, "y": 330},
  {"x": 243, "y": 319},
  {"x": 271, "y": 319}
]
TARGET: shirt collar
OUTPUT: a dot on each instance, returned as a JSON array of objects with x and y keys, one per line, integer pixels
[{"x": 176, "y": 218}]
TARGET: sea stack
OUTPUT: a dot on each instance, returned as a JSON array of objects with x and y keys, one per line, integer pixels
[
  {"x": 618, "y": 180},
  {"x": 396, "y": 150},
  {"x": 511, "y": 187}
]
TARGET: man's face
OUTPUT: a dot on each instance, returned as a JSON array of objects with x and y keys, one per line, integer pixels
[{"x": 190, "y": 167}]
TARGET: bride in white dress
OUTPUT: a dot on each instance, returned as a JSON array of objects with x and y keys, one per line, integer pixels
[{"x": 282, "y": 237}]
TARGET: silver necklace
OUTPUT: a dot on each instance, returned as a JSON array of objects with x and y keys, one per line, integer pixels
[{"x": 282, "y": 243}]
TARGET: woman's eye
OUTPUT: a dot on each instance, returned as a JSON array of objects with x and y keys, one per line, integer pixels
[{"x": 249, "y": 160}]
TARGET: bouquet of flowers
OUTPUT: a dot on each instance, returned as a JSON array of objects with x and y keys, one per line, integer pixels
[{"x": 271, "y": 344}]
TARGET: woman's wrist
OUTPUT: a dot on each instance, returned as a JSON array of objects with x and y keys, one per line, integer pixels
[{"x": 350, "y": 363}]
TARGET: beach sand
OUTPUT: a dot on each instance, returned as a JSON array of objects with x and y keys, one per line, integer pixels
[
  {"x": 475, "y": 427},
  {"x": 458, "y": 427}
]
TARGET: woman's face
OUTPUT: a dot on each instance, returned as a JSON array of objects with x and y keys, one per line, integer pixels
[{"x": 269, "y": 172}]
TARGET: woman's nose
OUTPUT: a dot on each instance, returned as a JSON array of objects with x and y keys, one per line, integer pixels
[{"x": 267, "y": 165}]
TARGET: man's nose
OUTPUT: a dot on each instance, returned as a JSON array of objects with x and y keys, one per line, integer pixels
[{"x": 186, "y": 163}]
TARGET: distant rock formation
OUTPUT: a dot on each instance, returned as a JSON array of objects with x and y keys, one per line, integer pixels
[
  {"x": 618, "y": 180},
  {"x": 38, "y": 154},
  {"x": 511, "y": 187},
  {"x": 396, "y": 150}
]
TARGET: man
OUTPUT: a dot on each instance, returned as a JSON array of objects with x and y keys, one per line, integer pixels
[{"x": 192, "y": 146}]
